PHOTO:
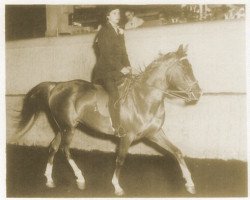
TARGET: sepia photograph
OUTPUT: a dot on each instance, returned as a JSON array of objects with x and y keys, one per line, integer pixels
[{"x": 125, "y": 99}]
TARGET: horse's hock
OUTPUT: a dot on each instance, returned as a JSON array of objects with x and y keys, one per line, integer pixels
[{"x": 214, "y": 128}]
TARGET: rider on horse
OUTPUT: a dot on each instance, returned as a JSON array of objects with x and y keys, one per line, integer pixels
[{"x": 112, "y": 63}]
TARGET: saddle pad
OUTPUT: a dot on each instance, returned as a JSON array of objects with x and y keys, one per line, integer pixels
[{"x": 102, "y": 100}]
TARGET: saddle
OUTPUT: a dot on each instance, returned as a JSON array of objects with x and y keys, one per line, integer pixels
[{"x": 102, "y": 97}]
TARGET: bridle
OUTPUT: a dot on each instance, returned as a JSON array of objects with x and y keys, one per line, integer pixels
[
  {"x": 177, "y": 93},
  {"x": 189, "y": 92}
]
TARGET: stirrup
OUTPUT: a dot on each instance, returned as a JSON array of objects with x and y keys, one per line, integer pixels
[{"x": 120, "y": 132}]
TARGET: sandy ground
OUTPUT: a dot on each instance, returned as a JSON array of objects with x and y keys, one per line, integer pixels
[{"x": 142, "y": 176}]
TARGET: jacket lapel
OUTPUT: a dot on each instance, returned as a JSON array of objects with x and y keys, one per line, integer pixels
[{"x": 112, "y": 30}]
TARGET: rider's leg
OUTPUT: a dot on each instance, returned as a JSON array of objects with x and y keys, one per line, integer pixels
[{"x": 114, "y": 105}]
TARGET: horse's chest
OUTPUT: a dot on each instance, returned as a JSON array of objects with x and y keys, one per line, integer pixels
[
  {"x": 149, "y": 122},
  {"x": 155, "y": 123}
]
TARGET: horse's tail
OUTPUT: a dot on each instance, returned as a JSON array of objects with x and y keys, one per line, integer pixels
[{"x": 35, "y": 101}]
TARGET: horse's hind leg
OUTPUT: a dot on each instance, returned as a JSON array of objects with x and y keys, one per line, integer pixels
[
  {"x": 124, "y": 145},
  {"x": 54, "y": 146},
  {"x": 161, "y": 139},
  {"x": 66, "y": 140}
]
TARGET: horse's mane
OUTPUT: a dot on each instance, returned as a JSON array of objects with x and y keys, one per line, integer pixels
[
  {"x": 135, "y": 79},
  {"x": 148, "y": 69}
]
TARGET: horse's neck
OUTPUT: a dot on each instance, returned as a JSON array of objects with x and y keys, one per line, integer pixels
[
  {"x": 155, "y": 83},
  {"x": 148, "y": 92}
]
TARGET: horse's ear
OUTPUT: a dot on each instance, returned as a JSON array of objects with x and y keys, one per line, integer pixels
[
  {"x": 180, "y": 50},
  {"x": 185, "y": 48}
]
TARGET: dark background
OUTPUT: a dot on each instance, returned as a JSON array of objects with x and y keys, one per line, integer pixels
[
  {"x": 25, "y": 21},
  {"x": 29, "y": 21}
]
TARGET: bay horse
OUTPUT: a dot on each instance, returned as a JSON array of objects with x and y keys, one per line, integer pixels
[{"x": 72, "y": 103}]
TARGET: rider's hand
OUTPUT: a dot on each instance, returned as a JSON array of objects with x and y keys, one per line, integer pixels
[{"x": 126, "y": 70}]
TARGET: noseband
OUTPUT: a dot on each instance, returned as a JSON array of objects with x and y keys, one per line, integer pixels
[
  {"x": 177, "y": 93},
  {"x": 189, "y": 92}
]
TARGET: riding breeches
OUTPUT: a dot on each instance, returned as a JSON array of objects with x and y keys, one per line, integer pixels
[{"x": 110, "y": 85}]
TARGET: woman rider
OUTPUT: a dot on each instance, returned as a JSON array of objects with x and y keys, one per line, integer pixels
[{"x": 112, "y": 63}]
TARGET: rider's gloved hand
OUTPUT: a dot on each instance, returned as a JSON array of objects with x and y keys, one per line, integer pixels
[{"x": 126, "y": 70}]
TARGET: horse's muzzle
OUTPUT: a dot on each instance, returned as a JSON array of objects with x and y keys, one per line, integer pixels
[{"x": 193, "y": 97}]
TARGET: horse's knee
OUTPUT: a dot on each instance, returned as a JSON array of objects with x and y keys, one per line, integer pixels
[
  {"x": 52, "y": 151},
  {"x": 120, "y": 160},
  {"x": 54, "y": 146},
  {"x": 67, "y": 154}
]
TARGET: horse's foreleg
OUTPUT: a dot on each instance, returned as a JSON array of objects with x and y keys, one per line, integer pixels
[
  {"x": 161, "y": 139},
  {"x": 54, "y": 146},
  {"x": 67, "y": 138},
  {"x": 124, "y": 145}
]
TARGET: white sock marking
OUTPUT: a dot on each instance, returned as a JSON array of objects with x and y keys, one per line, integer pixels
[
  {"x": 116, "y": 185},
  {"x": 77, "y": 171},
  {"x": 48, "y": 172},
  {"x": 186, "y": 175}
]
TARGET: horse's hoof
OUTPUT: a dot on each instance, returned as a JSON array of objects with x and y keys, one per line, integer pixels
[
  {"x": 119, "y": 192},
  {"x": 50, "y": 184},
  {"x": 81, "y": 185},
  {"x": 191, "y": 189}
]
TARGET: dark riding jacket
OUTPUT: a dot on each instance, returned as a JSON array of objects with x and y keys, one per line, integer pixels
[{"x": 112, "y": 54}]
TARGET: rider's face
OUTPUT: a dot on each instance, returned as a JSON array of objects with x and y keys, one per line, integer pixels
[{"x": 114, "y": 16}]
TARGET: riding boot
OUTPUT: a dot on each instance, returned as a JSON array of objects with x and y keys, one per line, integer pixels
[
  {"x": 110, "y": 85},
  {"x": 114, "y": 109}
]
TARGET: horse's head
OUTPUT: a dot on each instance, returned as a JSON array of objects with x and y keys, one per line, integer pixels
[{"x": 181, "y": 80}]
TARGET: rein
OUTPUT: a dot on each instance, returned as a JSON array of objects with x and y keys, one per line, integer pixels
[
  {"x": 176, "y": 93},
  {"x": 173, "y": 93}
]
